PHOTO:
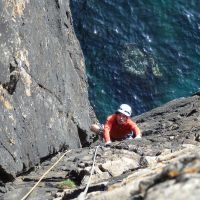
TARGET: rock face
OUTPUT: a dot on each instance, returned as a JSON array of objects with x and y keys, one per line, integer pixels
[
  {"x": 43, "y": 88},
  {"x": 44, "y": 109},
  {"x": 174, "y": 123},
  {"x": 164, "y": 164}
]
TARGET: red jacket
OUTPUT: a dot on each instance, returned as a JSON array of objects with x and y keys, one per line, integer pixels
[{"x": 115, "y": 131}]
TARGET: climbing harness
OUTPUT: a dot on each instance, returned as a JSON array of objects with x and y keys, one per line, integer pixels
[
  {"x": 31, "y": 190},
  {"x": 82, "y": 195}
]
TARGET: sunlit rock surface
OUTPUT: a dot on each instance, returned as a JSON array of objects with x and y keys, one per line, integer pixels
[
  {"x": 44, "y": 103},
  {"x": 164, "y": 164}
]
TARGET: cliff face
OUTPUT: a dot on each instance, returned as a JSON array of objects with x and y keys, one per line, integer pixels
[
  {"x": 44, "y": 109},
  {"x": 164, "y": 164},
  {"x": 43, "y": 88}
]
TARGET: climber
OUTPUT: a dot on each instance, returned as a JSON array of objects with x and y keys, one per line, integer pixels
[{"x": 118, "y": 126}]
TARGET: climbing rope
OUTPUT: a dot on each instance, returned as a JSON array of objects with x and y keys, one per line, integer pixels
[
  {"x": 31, "y": 190},
  {"x": 82, "y": 195}
]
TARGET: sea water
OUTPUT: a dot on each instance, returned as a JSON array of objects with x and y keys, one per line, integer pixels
[{"x": 140, "y": 52}]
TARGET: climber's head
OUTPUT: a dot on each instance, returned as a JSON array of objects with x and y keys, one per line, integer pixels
[{"x": 123, "y": 113}]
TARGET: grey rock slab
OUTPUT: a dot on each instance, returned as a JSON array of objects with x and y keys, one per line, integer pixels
[
  {"x": 189, "y": 189},
  {"x": 44, "y": 102}
]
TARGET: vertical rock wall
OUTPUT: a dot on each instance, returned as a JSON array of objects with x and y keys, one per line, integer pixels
[{"x": 43, "y": 88}]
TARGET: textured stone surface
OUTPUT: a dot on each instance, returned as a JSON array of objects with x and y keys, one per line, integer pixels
[
  {"x": 164, "y": 163},
  {"x": 43, "y": 88},
  {"x": 44, "y": 108}
]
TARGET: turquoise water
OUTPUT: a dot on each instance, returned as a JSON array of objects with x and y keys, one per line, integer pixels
[{"x": 141, "y": 52}]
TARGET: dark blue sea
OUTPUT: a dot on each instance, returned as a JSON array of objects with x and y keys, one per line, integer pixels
[{"x": 140, "y": 52}]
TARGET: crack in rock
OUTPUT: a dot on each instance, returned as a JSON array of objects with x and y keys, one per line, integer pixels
[{"x": 14, "y": 78}]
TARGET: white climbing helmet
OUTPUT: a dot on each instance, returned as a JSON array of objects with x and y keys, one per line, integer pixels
[{"x": 125, "y": 109}]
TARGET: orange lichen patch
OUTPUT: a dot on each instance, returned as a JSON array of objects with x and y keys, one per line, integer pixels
[
  {"x": 6, "y": 103},
  {"x": 17, "y": 7},
  {"x": 192, "y": 169},
  {"x": 173, "y": 173}
]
